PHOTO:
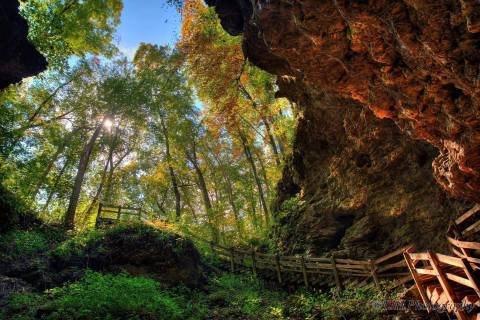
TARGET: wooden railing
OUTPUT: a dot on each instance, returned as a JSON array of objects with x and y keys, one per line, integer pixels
[
  {"x": 110, "y": 214},
  {"x": 448, "y": 282},
  {"x": 459, "y": 234},
  {"x": 307, "y": 270},
  {"x": 286, "y": 269}
]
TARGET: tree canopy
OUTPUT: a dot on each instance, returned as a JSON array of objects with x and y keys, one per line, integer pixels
[{"x": 192, "y": 134}]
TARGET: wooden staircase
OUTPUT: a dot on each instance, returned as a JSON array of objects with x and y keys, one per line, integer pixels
[{"x": 451, "y": 283}]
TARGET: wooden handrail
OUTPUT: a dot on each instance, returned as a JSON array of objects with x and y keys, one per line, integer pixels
[
  {"x": 467, "y": 214},
  {"x": 391, "y": 255},
  {"x": 282, "y": 266}
]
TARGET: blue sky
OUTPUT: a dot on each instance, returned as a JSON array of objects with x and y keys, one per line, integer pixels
[{"x": 151, "y": 21}]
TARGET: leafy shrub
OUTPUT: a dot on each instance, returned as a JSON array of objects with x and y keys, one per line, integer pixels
[
  {"x": 245, "y": 295},
  {"x": 102, "y": 296},
  {"x": 23, "y": 242},
  {"x": 14, "y": 213},
  {"x": 135, "y": 248},
  {"x": 98, "y": 242},
  {"x": 351, "y": 303},
  {"x": 78, "y": 245}
]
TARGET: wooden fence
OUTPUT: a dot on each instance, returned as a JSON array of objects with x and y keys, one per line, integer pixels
[
  {"x": 109, "y": 214},
  {"x": 307, "y": 270},
  {"x": 287, "y": 269}
]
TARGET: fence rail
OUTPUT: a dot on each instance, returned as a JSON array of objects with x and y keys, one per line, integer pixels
[
  {"x": 287, "y": 269},
  {"x": 307, "y": 269},
  {"x": 109, "y": 214}
]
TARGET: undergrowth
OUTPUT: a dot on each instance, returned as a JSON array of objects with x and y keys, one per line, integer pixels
[
  {"x": 26, "y": 243},
  {"x": 120, "y": 296},
  {"x": 106, "y": 296}
]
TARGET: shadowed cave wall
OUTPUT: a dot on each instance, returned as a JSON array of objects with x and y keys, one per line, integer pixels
[{"x": 390, "y": 130}]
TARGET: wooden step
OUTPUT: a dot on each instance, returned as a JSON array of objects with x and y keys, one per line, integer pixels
[
  {"x": 434, "y": 292},
  {"x": 443, "y": 299},
  {"x": 436, "y": 295}
]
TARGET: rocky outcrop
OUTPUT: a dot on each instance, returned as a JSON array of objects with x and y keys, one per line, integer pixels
[
  {"x": 44, "y": 257},
  {"x": 137, "y": 249},
  {"x": 371, "y": 77},
  {"x": 365, "y": 188},
  {"x": 18, "y": 57},
  {"x": 415, "y": 62}
]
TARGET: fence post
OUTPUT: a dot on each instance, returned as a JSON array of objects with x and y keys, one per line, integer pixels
[
  {"x": 118, "y": 213},
  {"x": 335, "y": 273},
  {"x": 232, "y": 260},
  {"x": 254, "y": 261},
  {"x": 373, "y": 271},
  {"x": 99, "y": 212},
  {"x": 304, "y": 271},
  {"x": 277, "y": 265}
]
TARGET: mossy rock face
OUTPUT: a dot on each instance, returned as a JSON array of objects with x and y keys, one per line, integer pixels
[{"x": 137, "y": 249}]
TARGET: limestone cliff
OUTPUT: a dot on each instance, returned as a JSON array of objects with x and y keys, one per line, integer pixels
[
  {"x": 372, "y": 78},
  {"x": 18, "y": 57}
]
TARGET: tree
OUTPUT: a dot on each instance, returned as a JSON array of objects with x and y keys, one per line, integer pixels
[
  {"x": 69, "y": 222},
  {"x": 62, "y": 28}
]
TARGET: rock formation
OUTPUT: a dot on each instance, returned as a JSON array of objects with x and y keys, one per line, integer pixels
[
  {"x": 137, "y": 249},
  {"x": 18, "y": 57},
  {"x": 372, "y": 77}
]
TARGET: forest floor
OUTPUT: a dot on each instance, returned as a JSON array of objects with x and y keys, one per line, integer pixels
[{"x": 138, "y": 272}]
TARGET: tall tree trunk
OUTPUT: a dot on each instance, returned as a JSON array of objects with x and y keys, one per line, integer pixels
[
  {"x": 253, "y": 212},
  {"x": 203, "y": 188},
  {"x": 69, "y": 222},
  {"x": 265, "y": 121},
  {"x": 162, "y": 202},
  {"x": 192, "y": 209},
  {"x": 55, "y": 184},
  {"x": 271, "y": 139},
  {"x": 88, "y": 211},
  {"x": 248, "y": 155},
  {"x": 230, "y": 194},
  {"x": 263, "y": 170},
  {"x": 282, "y": 139},
  {"x": 111, "y": 170},
  {"x": 231, "y": 201},
  {"x": 109, "y": 180},
  {"x": 47, "y": 170},
  {"x": 173, "y": 177}
]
